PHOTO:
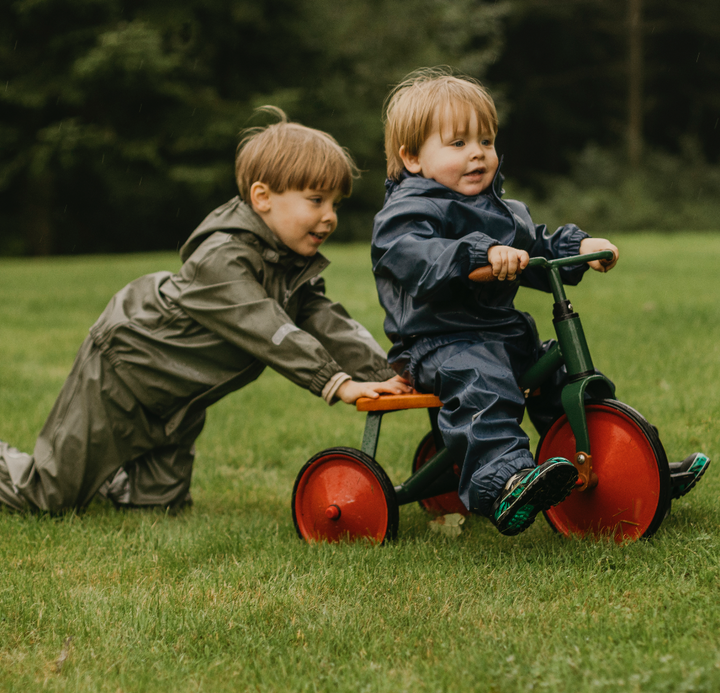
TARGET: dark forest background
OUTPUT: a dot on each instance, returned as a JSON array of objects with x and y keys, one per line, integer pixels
[{"x": 119, "y": 118}]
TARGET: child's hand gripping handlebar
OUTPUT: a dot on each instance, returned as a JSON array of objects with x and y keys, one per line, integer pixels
[{"x": 606, "y": 257}]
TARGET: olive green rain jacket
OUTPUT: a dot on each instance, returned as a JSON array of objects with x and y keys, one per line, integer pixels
[
  {"x": 169, "y": 345},
  {"x": 240, "y": 302}
]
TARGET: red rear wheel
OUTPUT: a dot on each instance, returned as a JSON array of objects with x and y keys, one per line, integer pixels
[
  {"x": 633, "y": 490},
  {"x": 445, "y": 503},
  {"x": 341, "y": 493}
]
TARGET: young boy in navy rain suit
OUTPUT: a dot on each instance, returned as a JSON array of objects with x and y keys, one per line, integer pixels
[{"x": 443, "y": 217}]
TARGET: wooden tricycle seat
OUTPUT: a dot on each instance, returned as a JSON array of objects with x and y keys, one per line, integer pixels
[{"x": 415, "y": 400}]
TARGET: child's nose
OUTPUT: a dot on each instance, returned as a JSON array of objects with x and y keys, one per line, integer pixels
[
  {"x": 478, "y": 151},
  {"x": 330, "y": 215}
]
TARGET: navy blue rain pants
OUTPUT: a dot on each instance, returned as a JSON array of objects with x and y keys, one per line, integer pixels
[{"x": 475, "y": 375}]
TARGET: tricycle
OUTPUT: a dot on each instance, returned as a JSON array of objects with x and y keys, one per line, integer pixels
[{"x": 623, "y": 489}]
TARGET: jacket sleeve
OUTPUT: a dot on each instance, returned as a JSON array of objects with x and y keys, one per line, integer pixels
[
  {"x": 564, "y": 242},
  {"x": 411, "y": 249},
  {"x": 351, "y": 345},
  {"x": 223, "y": 294}
]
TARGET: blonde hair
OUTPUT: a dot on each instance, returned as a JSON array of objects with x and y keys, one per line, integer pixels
[
  {"x": 290, "y": 156},
  {"x": 412, "y": 107}
]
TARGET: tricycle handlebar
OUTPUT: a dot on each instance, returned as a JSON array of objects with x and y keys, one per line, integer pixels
[{"x": 485, "y": 274}]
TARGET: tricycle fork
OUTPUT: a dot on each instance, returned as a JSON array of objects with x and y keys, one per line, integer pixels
[{"x": 572, "y": 350}]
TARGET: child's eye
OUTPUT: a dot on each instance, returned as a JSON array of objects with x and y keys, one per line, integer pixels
[
  {"x": 458, "y": 143},
  {"x": 487, "y": 143}
]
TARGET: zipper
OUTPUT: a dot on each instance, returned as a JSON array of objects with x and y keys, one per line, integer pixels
[{"x": 301, "y": 280}]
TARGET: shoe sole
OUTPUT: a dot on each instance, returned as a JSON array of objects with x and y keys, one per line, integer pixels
[
  {"x": 550, "y": 486},
  {"x": 682, "y": 490}
]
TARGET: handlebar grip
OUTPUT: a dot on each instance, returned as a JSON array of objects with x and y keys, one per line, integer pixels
[
  {"x": 606, "y": 258},
  {"x": 482, "y": 274}
]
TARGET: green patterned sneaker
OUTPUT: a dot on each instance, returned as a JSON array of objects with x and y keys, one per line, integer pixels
[
  {"x": 531, "y": 491},
  {"x": 684, "y": 475}
]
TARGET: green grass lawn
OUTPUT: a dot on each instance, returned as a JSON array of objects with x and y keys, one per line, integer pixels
[{"x": 225, "y": 597}]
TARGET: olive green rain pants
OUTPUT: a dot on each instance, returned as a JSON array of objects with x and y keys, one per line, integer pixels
[{"x": 95, "y": 428}]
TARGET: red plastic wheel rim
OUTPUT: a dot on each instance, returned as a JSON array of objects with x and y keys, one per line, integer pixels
[
  {"x": 625, "y": 501},
  {"x": 445, "y": 503},
  {"x": 337, "y": 479}
]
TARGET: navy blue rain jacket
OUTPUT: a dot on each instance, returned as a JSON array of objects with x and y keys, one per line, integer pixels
[{"x": 427, "y": 239}]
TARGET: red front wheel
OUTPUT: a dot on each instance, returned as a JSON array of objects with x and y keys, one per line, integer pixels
[
  {"x": 633, "y": 490},
  {"x": 342, "y": 493}
]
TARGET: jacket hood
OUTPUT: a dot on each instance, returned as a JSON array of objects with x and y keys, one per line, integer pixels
[
  {"x": 234, "y": 215},
  {"x": 431, "y": 187}
]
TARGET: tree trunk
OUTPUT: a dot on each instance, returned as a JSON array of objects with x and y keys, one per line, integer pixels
[
  {"x": 38, "y": 215},
  {"x": 635, "y": 83}
]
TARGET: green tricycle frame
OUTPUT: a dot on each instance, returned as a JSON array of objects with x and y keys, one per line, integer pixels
[{"x": 623, "y": 487}]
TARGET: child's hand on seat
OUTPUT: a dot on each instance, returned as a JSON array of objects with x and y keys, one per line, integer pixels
[
  {"x": 595, "y": 245},
  {"x": 507, "y": 262},
  {"x": 351, "y": 390}
]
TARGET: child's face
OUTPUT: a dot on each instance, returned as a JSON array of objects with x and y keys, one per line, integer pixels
[
  {"x": 460, "y": 157},
  {"x": 301, "y": 219}
]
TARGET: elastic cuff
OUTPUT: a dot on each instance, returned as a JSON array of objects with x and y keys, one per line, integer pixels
[
  {"x": 328, "y": 392},
  {"x": 479, "y": 255},
  {"x": 488, "y": 482},
  {"x": 322, "y": 376},
  {"x": 570, "y": 245}
]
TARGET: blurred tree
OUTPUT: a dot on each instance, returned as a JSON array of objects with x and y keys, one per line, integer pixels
[
  {"x": 88, "y": 102},
  {"x": 115, "y": 129},
  {"x": 361, "y": 50},
  {"x": 118, "y": 120},
  {"x": 682, "y": 73},
  {"x": 571, "y": 71},
  {"x": 635, "y": 71}
]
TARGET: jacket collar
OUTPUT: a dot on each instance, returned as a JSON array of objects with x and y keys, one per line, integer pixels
[
  {"x": 236, "y": 215},
  {"x": 431, "y": 186}
]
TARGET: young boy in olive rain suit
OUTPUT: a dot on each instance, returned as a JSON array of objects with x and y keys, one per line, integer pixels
[{"x": 248, "y": 295}]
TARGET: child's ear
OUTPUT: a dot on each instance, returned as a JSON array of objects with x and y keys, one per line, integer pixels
[
  {"x": 410, "y": 161},
  {"x": 260, "y": 197}
]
